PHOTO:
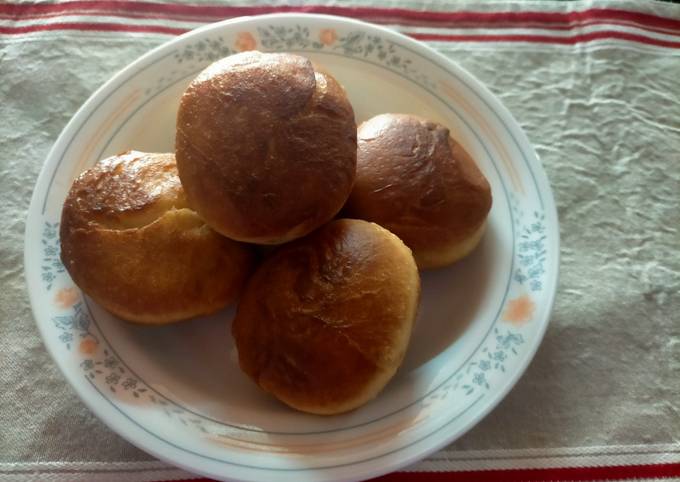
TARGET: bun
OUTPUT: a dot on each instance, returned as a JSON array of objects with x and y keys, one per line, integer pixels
[
  {"x": 266, "y": 147},
  {"x": 324, "y": 323},
  {"x": 416, "y": 181},
  {"x": 129, "y": 241}
]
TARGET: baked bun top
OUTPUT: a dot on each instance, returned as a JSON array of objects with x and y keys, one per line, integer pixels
[
  {"x": 130, "y": 190},
  {"x": 324, "y": 322},
  {"x": 418, "y": 182},
  {"x": 266, "y": 146},
  {"x": 129, "y": 241}
]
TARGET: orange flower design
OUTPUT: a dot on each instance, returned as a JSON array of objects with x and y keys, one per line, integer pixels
[
  {"x": 245, "y": 41},
  {"x": 66, "y": 297},
  {"x": 519, "y": 311},
  {"x": 88, "y": 346},
  {"x": 327, "y": 36}
]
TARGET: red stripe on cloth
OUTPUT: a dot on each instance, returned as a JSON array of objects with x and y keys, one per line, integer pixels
[
  {"x": 397, "y": 14},
  {"x": 386, "y": 20},
  {"x": 584, "y": 38},
  {"x": 109, "y": 13},
  {"x": 93, "y": 27},
  {"x": 574, "y": 39},
  {"x": 525, "y": 25},
  {"x": 572, "y": 474}
]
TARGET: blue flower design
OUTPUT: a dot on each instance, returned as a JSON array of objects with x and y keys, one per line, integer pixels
[
  {"x": 509, "y": 340},
  {"x": 519, "y": 276},
  {"x": 531, "y": 251},
  {"x": 110, "y": 362},
  {"x": 51, "y": 263},
  {"x": 525, "y": 260},
  {"x": 479, "y": 379},
  {"x": 536, "y": 271},
  {"x": 499, "y": 356},
  {"x": 112, "y": 378},
  {"x": 129, "y": 383}
]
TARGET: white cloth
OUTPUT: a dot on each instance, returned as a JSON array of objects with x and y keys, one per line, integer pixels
[{"x": 604, "y": 117}]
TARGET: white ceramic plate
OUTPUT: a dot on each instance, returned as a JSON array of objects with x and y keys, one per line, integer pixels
[{"x": 177, "y": 392}]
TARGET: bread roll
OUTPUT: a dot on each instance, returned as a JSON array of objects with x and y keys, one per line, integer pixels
[
  {"x": 324, "y": 323},
  {"x": 129, "y": 241},
  {"x": 266, "y": 146},
  {"x": 418, "y": 182}
]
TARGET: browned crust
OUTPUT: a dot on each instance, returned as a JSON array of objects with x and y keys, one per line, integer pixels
[
  {"x": 419, "y": 183},
  {"x": 266, "y": 146},
  {"x": 324, "y": 323},
  {"x": 129, "y": 242},
  {"x": 128, "y": 190}
]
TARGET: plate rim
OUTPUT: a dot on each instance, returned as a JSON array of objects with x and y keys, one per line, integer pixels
[{"x": 533, "y": 160}]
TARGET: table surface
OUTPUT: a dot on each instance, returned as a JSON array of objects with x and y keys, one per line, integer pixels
[{"x": 596, "y": 86}]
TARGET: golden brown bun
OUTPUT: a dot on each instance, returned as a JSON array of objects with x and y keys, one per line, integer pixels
[
  {"x": 129, "y": 241},
  {"x": 324, "y": 323},
  {"x": 416, "y": 181},
  {"x": 266, "y": 147}
]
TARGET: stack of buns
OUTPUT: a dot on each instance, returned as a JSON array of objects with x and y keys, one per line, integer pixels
[{"x": 268, "y": 153}]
